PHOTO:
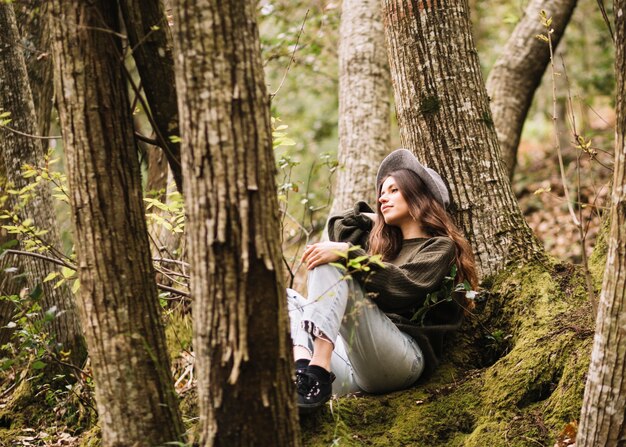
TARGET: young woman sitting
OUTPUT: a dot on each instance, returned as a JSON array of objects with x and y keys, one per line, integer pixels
[{"x": 355, "y": 328}]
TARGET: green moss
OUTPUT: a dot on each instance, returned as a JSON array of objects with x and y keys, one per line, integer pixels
[
  {"x": 92, "y": 438},
  {"x": 524, "y": 397},
  {"x": 178, "y": 333},
  {"x": 35, "y": 404}
]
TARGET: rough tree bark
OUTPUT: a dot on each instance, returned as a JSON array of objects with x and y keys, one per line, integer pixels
[
  {"x": 602, "y": 421},
  {"x": 512, "y": 81},
  {"x": 151, "y": 41},
  {"x": 34, "y": 26},
  {"x": 444, "y": 118},
  {"x": 120, "y": 311},
  {"x": 11, "y": 282},
  {"x": 241, "y": 340},
  {"x": 364, "y": 111},
  {"x": 17, "y": 150}
]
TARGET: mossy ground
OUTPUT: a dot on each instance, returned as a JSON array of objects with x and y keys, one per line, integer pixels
[
  {"x": 35, "y": 415},
  {"x": 517, "y": 389},
  {"x": 514, "y": 376}
]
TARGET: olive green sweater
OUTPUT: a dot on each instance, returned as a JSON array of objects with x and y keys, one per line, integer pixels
[{"x": 401, "y": 286}]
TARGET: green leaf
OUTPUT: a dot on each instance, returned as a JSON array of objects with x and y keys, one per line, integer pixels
[
  {"x": 67, "y": 272},
  {"x": 7, "y": 245},
  {"x": 38, "y": 364},
  {"x": 338, "y": 265},
  {"x": 76, "y": 286},
  {"x": 51, "y": 276}
]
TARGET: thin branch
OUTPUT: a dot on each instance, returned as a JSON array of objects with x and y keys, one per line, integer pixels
[
  {"x": 40, "y": 256},
  {"x": 75, "y": 268},
  {"x": 24, "y": 134},
  {"x": 606, "y": 18},
  {"x": 575, "y": 219},
  {"x": 556, "y": 131},
  {"x": 173, "y": 290},
  {"x": 148, "y": 140},
  {"x": 153, "y": 29},
  {"x": 171, "y": 261},
  {"x": 293, "y": 55}
]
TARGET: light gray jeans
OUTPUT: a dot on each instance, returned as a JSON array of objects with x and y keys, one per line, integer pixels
[{"x": 370, "y": 352}]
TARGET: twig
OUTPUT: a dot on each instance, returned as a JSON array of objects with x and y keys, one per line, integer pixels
[
  {"x": 173, "y": 290},
  {"x": 45, "y": 258},
  {"x": 68, "y": 365},
  {"x": 153, "y": 29},
  {"x": 171, "y": 261},
  {"x": 606, "y": 18},
  {"x": 575, "y": 219},
  {"x": 74, "y": 267},
  {"x": 556, "y": 131},
  {"x": 293, "y": 55},
  {"x": 5, "y": 392},
  {"x": 171, "y": 278},
  {"x": 146, "y": 139},
  {"x": 24, "y": 134}
]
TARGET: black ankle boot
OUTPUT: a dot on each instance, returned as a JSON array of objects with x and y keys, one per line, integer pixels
[
  {"x": 301, "y": 366},
  {"x": 314, "y": 388}
]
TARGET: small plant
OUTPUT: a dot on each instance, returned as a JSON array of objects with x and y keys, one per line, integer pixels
[
  {"x": 444, "y": 294},
  {"x": 498, "y": 341},
  {"x": 33, "y": 354},
  {"x": 359, "y": 264},
  {"x": 171, "y": 215}
]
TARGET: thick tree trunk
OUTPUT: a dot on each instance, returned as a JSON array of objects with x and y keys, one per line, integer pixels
[
  {"x": 512, "y": 82},
  {"x": 364, "y": 112},
  {"x": 34, "y": 26},
  {"x": 445, "y": 120},
  {"x": 137, "y": 404},
  {"x": 151, "y": 40},
  {"x": 17, "y": 150},
  {"x": 602, "y": 421},
  {"x": 241, "y": 339}
]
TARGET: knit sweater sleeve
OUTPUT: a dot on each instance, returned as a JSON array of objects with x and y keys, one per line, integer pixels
[
  {"x": 351, "y": 226},
  {"x": 399, "y": 288}
]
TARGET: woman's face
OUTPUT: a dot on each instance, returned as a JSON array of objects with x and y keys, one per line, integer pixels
[{"x": 393, "y": 206}]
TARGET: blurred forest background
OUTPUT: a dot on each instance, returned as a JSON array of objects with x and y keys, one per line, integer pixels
[{"x": 307, "y": 102}]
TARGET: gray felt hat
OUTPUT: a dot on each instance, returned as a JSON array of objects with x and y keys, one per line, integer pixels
[{"x": 404, "y": 159}]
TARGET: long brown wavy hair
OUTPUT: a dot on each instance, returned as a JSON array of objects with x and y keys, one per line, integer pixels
[{"x": 434, "y": 220}]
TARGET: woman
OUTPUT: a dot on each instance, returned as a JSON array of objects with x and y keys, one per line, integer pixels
[{"x": 359, "y": 326}]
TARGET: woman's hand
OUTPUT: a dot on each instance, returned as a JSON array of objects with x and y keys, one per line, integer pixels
[{"x": 323, "y": 253}]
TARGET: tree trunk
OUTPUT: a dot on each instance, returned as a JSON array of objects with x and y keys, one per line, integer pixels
[
  {"x": 151, "y": 40},
  {"x": 17, "y": 150},
  {"x": 34, "y": 26},
  {"x": 137, "y": 404},
  {"x": 241, "y": 341},
  {"x": 444, "y": 118},
  {"x": 10, "y": 281},
  {"x": 604, "y": 407},
  {"x": 518, "y": 71},
  {"x": 364, "y": 115}
]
